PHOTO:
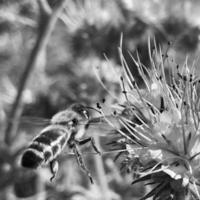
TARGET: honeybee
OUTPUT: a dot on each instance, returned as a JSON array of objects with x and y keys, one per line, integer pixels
[{"x": 64, "y": 129}]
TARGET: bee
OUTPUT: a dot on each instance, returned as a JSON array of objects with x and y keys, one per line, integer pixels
[{"x": 64, "y": 129}]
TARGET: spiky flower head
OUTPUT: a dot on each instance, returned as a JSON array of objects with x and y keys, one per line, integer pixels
[{"x": 166, "y": 135}]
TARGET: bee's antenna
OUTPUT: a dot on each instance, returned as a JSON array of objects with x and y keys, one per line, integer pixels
[{"x": 98, "y": 105}]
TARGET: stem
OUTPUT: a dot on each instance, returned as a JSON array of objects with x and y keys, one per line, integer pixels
[
  {"x": 38, "y": 49},
  {"x": 101, "y": 175}
]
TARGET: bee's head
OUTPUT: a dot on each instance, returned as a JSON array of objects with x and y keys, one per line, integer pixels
[{"x": 81, "y": 110}]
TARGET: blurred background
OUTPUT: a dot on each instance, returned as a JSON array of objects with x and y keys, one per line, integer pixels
[{"x": 86, "y": 35}]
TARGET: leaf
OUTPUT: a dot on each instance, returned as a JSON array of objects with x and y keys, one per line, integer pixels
[
  {"x": 144, "y": 178},
  {"x": 155, "y": 191}
]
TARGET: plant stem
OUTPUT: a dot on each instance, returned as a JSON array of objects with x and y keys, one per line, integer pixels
[
  {"x": 101, "y": 175},
  {"x": 40, "y": 46}
]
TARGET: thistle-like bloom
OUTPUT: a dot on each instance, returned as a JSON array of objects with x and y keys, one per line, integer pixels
[{"x": 160, "y": 125}]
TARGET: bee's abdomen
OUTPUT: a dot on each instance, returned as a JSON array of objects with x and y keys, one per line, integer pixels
[
  {"x": 45, "y": 147},
  {"x": 31, "y": 159}
]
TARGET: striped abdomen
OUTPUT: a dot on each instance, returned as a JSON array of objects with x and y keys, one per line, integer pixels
[{"x": 45, "y": 147}]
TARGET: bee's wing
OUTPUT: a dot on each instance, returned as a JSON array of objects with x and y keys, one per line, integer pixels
[
  {"x": 27, "y": 121},
  {"x": 94, "y": 123},
  {"x": 35, "y": 120},
  {"x": 101, "y": 126}
]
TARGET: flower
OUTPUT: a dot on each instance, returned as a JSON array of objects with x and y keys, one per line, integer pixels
[{"x": 161, "y": 128}]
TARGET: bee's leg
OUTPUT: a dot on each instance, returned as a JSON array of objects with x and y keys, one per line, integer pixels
[
  {"x": 81, "y": 162},
  {"x": 86, "y": 140},
  {"x": 87, "y": 125},
  {"x": 53, "y": 168}
]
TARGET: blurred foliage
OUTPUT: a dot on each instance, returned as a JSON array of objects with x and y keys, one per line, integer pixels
[{"x": 86, "y": 34}]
